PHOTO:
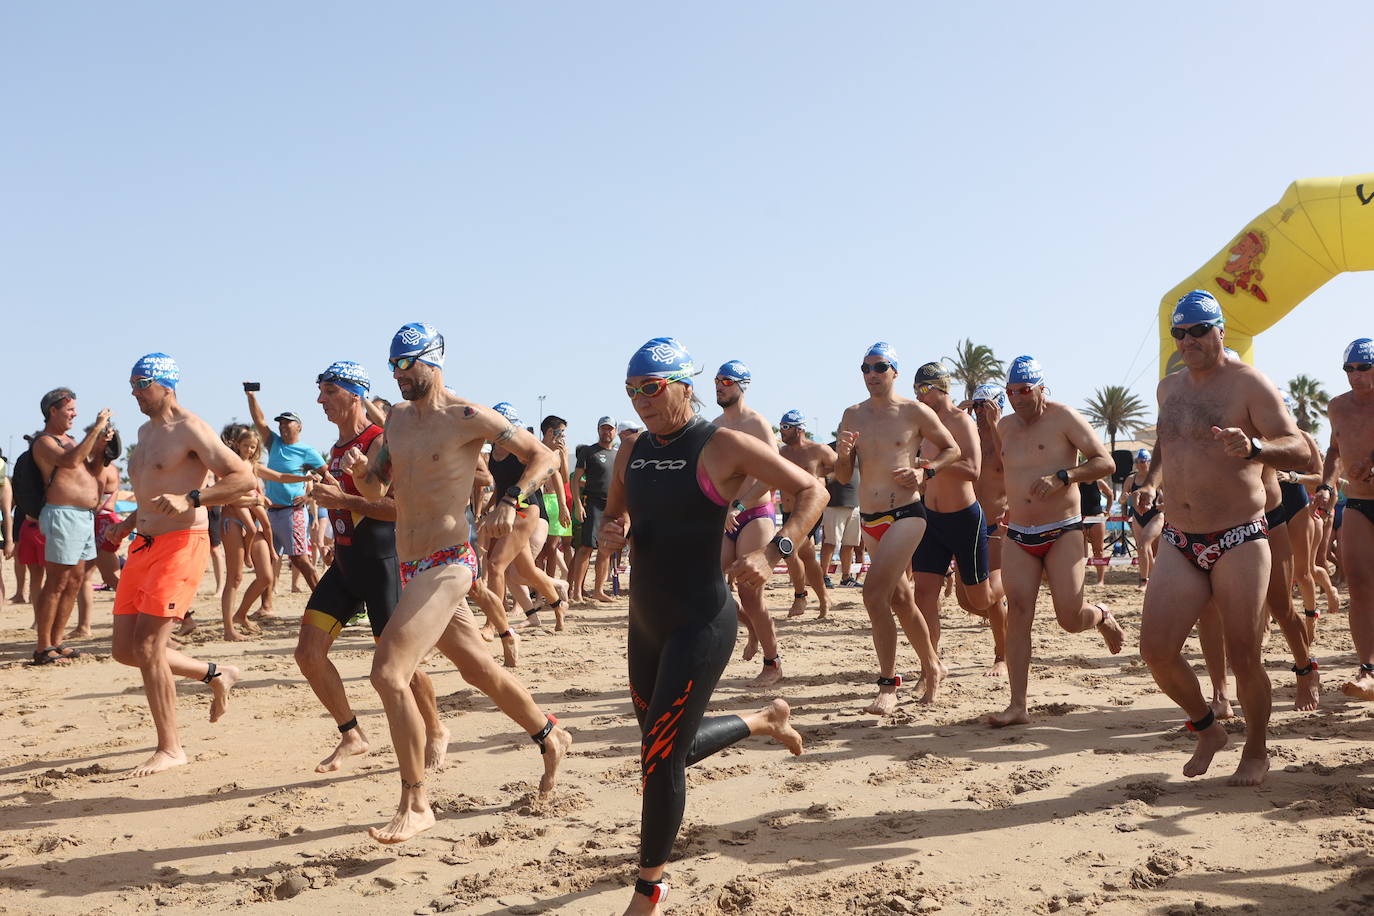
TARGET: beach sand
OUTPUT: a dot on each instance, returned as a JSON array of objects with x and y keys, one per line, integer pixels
[{"x": 1083, "y": 811}]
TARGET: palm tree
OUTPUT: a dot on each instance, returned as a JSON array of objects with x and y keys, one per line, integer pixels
[
  {"x": 1117, "y": 410},
  {"x": 974, "y": 365},
  {"x": 1311, "y": 402}
]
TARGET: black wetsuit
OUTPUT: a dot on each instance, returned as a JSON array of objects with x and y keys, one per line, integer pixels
[
  {"x": 1149, "y": 514},
  {"x": 596, "y": 462},
  {"x": 364, "y": 573},
  {"x": 1089, "y": 500},
  {"x": 682, "y": 626}
]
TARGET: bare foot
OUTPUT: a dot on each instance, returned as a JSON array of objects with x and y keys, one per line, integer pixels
[
  {"x": 1250, "y": 772},
  {"x": 488, "y": 631},
  {"x": 770, "y": 674},
  {"x": 1309, "y": 691},
  {"x": 1111, "y": 631},
  {"x": 602, "y": 597},
  {"x": 161, "y": 760},
  {"x": 510, "y": 648},
  {"x": 247, "y": 625},
  {"x": 1221, "y": 706},
  {"x": 825, "y": 610},
  {"x": 188, "y": 623},
  {"x": 884, "y": 703},
  {"x": 232, "y": 635},
  {"x": 751, "y": 647},
  {"x": 220, "y": 686},
  {"x": 404, "y": 825},
  {"x": 1210, "y": 740},
  {"x": 778, "y": 726},
  {"x": 998, "y": 669},
  {"x": 561, "y": 587},
  {"x": 436, "y": 749},
  {"x": 555, "y": 749},
  {"x": 79, "y": 633},
  {"x": 798, "y": 605},
  {"x": 1012, "y": 715},
  {"x": 351, "y": 744},
  {"x": 932, "y": 683},
  {"x": 1361, "y": 687}
]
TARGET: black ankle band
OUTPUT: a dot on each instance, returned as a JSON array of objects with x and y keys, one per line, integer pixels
[
  {"x": 895, "y": 681},
  {"x": 349, "y": 725},
  {"x": 656, "y": 891},
  {"x": 1303, "y": 672},
  {"x": 544, "y": 733},
  {"x": 1204, "y": 723},
  {"x": 1366, "y": 668},
  {"x": 772, "y": 662},
  {"x": 210, "y": 675},
  {"x": 1307, "y": 613},
  {"x": 799, "y": 594},
  {"x": 504, "y": 635},
  {"x": 532, "y": 611}
]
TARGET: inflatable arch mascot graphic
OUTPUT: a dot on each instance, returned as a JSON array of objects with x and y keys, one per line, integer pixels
[{"x": 1321, "y": 227}]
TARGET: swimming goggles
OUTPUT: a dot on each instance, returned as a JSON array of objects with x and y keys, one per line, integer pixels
[
  {"x": 879, "y": 367},
  {"x": 652, "y": 388},
  {"x": 141, "y": 382},
  {"x": 405, "y": 362},
  {"x": 1358, "y": 367},
  {"x": 1197, "y": 330}
]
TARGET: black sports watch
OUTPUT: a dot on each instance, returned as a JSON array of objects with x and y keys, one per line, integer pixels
[
  {"x": 1255, "y": 447},
  {"x": 194, "y": 497},
  {"x": 513, "y": 492},
  {"x": 784, "y": 545},
  {"x": 1063, "y": 475}
]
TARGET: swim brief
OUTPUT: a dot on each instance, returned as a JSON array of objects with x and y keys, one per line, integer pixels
[
  {"x": 1204, "y": 550},
  {"x": 1038, "y": 540},
  {"x": 1363, "y": 506},
  {"x": 162, "y": 573},
  {"x": 69, "y": 532},
  {"x": 961, "y": 536},
  {"x": 444, "y": 556},
  {"x": 354, "y": 582},
  {"x": 1276, "y": 516},
  {"x": 875, "y": 524},
  {"x": 748, "y": 515}
]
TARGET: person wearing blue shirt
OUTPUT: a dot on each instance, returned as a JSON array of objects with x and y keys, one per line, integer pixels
[{"x": 286, "y": 501}]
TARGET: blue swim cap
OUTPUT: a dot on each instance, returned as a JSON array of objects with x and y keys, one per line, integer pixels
[
  {"x": 1361, "y": 350},
  {"x": 662, "y": 357},
  {"x": 1196, "y": 307},
  {"x": 506, "y": 410},
  {"x": 1142, "y": 454},
  {"x": 993, "y": 393},
  {"x": 159, "y": 367},
  {"x": 421, "y": 341},
  {"x": 348, "y": 375},
  {"x": 883, "y": 350},
  {"x": 793, "y": 418},
  {"x": 736, "y": 371},
  {"x": 1025, "y": 371}
]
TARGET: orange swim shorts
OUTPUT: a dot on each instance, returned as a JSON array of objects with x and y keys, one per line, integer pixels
[{"x": 162, "y": 573}]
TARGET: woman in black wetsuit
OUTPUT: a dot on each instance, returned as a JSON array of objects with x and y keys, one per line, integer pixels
[
  {"x": 675, "y": 483},
  {"x": 1145, "y": 528}
]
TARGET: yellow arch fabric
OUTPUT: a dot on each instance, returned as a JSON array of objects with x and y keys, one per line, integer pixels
[{"x": 1321, "y": 227}]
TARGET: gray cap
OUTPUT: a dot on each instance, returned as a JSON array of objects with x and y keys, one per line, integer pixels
[
  {"x": 287, "y": 415},
  {"x": 605, "y": 421}
]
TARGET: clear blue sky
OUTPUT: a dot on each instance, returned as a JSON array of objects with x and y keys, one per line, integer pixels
[{"x": 261, "y": 188}]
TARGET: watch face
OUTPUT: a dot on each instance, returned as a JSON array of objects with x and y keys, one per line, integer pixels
[{"x": 786, "y": 546}]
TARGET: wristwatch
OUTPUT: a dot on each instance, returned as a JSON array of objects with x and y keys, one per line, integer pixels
[
  {"x": 513, "y": 492},
  {"x": 194, "y": 497},
  {"x": 1063, "y": 475},
  {"x": 784, "y": 545},
  {"x": 1255, "y": 447}
]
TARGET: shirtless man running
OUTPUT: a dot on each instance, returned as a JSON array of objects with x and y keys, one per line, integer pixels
[
  {"x": 432, "y": 445},
  {"x": 990, "y": 488},
  {"x": 1352, "y": 448},
  {"x": 956, "y": 528},
  {"x": 1041, "y": 442},
  {"x": 1221, "y": 423},
  {"x": 749, "y": 523},
  {"x": 818, "y": 460},
  {"x": 883, "y": 435},
  {"x": 176, "y": 453}
]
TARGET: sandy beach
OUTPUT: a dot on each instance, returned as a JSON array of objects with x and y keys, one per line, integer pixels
[{"x": 1083, "y": 811}]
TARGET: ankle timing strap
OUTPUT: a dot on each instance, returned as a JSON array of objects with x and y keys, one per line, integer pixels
[
  {"x": 504, "y": 635},
  {"x": 1308, "y": 613},
  {"x": 1303, "y": 672},
  {"x": 349, "y": 725},
  {"x": 772, "y": 662},
  {"x": 1367, "y": 668},
  {"x": 544, "y": 733},
  {"x": 1204, "y": 723},
  {"x": 656, "y": 891},
  {"x": 210, "y": 675},
  {"x": 895, "y": 681}
]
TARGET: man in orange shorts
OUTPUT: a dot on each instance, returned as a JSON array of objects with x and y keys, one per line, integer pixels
[{"x": 177, "y": 451}]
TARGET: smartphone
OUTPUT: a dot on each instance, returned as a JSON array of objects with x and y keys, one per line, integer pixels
[{"x": 252, "y": 386}]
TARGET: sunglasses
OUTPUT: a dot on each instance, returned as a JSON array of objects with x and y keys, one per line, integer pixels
[
  {"x": 727, "y": 382},
  {"x": 141, "y": 382},
  {"x": 1358, "y": 367},
  {"x": 1015, "y": 390},
  {"x": 789, "y": 426},
  {"x": 652, "y": 388},
  {"x": 879, "y": 367},
  {"x": 927, "y": 387},
  {"x": 1197, "y": 330},
  {"x": 405, "y": 362}
]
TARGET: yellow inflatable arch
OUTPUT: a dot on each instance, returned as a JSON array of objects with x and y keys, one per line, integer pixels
[{"x": 1320, "y": 227}]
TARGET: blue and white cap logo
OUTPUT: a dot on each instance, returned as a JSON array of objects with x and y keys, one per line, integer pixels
[
  {"x": 793, "y": 418},
  {"x": 349, "y": 376},
  {"x": 1196, "y": 307},
  {"x": 735, "y": 371},
  {"x": 1142, "y": 454},
  {"x": 421, "y": 341},
  {"x": 883, "y": 350},
  {"x": 993, "y": 393},
  {"x": 506, "y": 410},
  {"x": 1025, "y": 370},
  {"x": 159, "y": 367},
  {"x": 662, "y": 357},
  {"x": 1361, "y": 350}
]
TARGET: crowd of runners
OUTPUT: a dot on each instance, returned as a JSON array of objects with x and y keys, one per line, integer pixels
[{"x": 439, "y": 519}]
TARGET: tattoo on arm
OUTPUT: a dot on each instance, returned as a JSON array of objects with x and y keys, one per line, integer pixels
[
  {"x": 380, "y": 470},
  {"x": 505, "y": 434}
]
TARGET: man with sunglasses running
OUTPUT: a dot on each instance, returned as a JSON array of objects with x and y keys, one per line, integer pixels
[
  {"x": 364, "y": 574},
  {"x": 1352, "y": 449},
  {"x": 749, "y": 523},
  {"x": 818, "y": 460},
  {"x": 1221, "y": 423},
  {"x": 433, "y": 441},
  {"x": 884, "y": 434},
  {"x": 1041, "y": 442}
]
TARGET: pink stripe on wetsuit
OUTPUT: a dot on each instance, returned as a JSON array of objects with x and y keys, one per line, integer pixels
[{"x": 708, "y": 489}]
